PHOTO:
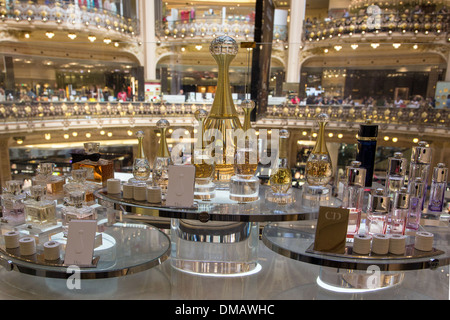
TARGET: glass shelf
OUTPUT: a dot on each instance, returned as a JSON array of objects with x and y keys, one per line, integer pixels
[
  {"x": 295, "y": 240},
  {"x": 221, "y": 208},
  {"x": 127, "y": 247}
]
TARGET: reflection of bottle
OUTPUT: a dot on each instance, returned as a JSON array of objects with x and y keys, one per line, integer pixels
[
  {"x": 13, "y": 207},
  {"x": 160, "y": 174},
  {"x": 45, "y": 177},
  {"x": 223, "y": 118},
  {"x": 39, "y": 211},
  {"x": 395, "y": 173},
  {"x": 98, "y": 169},
  {"x": 437, "y": 190},
  {"x": 377, "y": 212},
  {"x": 420, "y": 165},
  {"x": 203, "y": 162},
  {"x": 318, "y": 167},
  {"x": 367, "y": 147},
  {"x": 416, "y": 189},
  {"x": 353, "y": 196},
  {"x": 281, "y": 179},
  {"x": 75, "y": 209},
  {"x": 141, "y": 166},
  {"x": 399, "y": 212}
]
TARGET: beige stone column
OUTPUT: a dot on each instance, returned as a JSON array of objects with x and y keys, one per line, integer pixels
[
  {"x": 297, "y": 17},
  {"x": 147, "y": 18},
  {"x": 5, "y": 166}
]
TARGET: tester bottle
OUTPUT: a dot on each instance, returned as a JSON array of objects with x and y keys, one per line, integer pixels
[
  {"x": 39, "y": 211},
  {"x": 395, "y": 173},
  {"x": 378, "y": 207},
  {"x": 420, "y": 165},
  {"x": 13, "y": 207},
  {"x": 437, "y": 190},
  {"x": 399, "y": 212},
  {"x": 416, "y": 189},
  {"x": 353, "y": 195}
]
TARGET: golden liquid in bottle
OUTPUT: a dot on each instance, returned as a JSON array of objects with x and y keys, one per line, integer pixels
[
  {"x": 281, "y": 180},
  {"x": 318, "y": 172}
]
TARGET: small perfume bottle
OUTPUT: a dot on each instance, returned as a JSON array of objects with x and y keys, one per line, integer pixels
[
  {"x": 141, "y": 166},
  {"x": 395, "y": 173},
  {"x": 98, "y": 170},
  {"x": 45, "y": 177},
  {"x": 378, "y": 208},
  {"x": 399, "y": 212},
  {"x": 420, "y": 165},
  {"x": 281, "y": 179},
  {"x": 78, "y": 183},
  {"x": 39, "y": 211},
  {"x": 416, "y": 189},
  {"x": 75, "y": 209},
  {"x": 13, "y": 207},
  {"x": 160, "y": 173},
  {"x": 367, "y": 147},
  {"x": 353, "y": 196},
  {"x": 437, "y": 190}
]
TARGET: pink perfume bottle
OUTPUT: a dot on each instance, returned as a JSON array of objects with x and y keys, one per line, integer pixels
[{"x": 399, "y": 212}]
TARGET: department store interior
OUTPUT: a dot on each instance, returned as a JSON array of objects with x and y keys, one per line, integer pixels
[{"x": 74, "y": 72}]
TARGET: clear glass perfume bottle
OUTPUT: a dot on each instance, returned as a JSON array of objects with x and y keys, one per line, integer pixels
[
  {"x": 437, "y": 189},
  {"x": 416, "y": 188},
  {"x": 399, "y": 212},
  {"x": 396, "y": 172},
  {"x": 244, "y": 186},
  {"x": 75, "y": 209},
  {"x": 13, "y": 207},
  {"x": 141, "y": 166},
  {"x": 318, "y": 166},
  {"x": 160, "y": 174},
  {"x": 98, "y": 170},
  {"x": 353, "y": 195},
  {"x": 420, "y": 164},
  {"x": 78, "y": 183},
  {"x": 203, "y": 161},
  {"x": 45, "y": 177},
  {"x": 378, "y": 209},
  {"x": 39, "y": 211},
  {"x": 223, "y": 118},
  {"x": 281, "y": 178}
]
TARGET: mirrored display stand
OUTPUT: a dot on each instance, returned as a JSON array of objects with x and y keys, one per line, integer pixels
[
  {"x": 122, "y": 247},
  {"x": 218, "y": 236},
  {"x": 356, "y": 273}
]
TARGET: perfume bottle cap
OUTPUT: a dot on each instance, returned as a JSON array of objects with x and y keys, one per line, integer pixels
[
  {"x": 76, "y": 198},
  {"x": 401, "y": 199},
  {"x": 368, "y": 130},
  {"x": 139, "y": 134},
  {"x": 397, "y": 165},
  {"x": 79, "y": 175},
  {"x": 356, "y": 176},
  {"x": 223, "y": 45},
  {"x": 91, "y": 147},
  {"x": 163, "y": 124},
  {"x": 248, "y": 104},
  {"x": 200, "y": 114},
  {"x": 14, "y": 186},
  {"x": 421, "y": 153},
  {"x": 379, "y": 202},
  {"x": 38, "y": 192},
  {"x": 323, "y": 118},
  {"x": 284, "y": 133},
  {"x": 416, "y": 187},
  {"x": 45, "y": 168},
  {"x": 440, "y": 173}
]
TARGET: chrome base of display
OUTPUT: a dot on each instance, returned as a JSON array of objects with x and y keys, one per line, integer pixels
[
  {"x": 315, "y": 196},
  {"x": 215, "y": 232},
  {"x": 281, "y": 198},
  {"x": 244, "y": 189},
  {"x": 218, "y": 269},
  {"x": 204, "y": 191}
]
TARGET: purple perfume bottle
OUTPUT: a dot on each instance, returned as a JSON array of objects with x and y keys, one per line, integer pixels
[
  {"x": 437, "y": 190},
  {"x": 416, "y": 189}
]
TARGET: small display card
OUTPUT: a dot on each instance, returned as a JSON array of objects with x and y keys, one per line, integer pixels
[
  {"x": 180, "y": 191},
  {"x": 80, "y": 242},
  {"x": 331, "y": 231}
]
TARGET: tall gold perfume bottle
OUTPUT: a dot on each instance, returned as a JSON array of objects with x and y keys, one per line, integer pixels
[
  {"x": 203, "y": 162},
  {"x": 223, "y": 118},
  {"x": 160, "y": 174},
  {"x": 141, "y": 166},
  {"x": 318, "y": 166}
]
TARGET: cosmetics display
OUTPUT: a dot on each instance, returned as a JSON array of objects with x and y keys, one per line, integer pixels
[
  {"x": 98, "y": 170},
  {"x": 377, "y": 212},
  {"x": 13, "y": 207},
  {"x": 141, "y": 166},
  {"x": 76, "y": 209},
  {"x": 367, "y": 147},
  {"x": 40, "y": 212},
  {"x": 396, "y": 173},
  {"x": 203, "y": 162},
  {"x": 162, "y": 160},
  {"x": 244, "y": 186},
  {"x": 353, "y": 195},
  {"x": 437, "y": 189},
  {"x": 223, "y": 119},
  {"x": 54, "y": 184}
]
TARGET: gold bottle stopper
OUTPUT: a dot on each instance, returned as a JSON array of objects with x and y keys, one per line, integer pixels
[{"x": 163, "y": 150}]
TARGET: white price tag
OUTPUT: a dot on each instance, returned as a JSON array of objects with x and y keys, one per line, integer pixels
[
  {"x": 180, "y": 191},
  {"x": 80, "y": 242}
]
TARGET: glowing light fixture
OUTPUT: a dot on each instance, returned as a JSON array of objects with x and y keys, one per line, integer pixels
[
  {"x": 50, "y": 34},
  {"x": 396, "y": 45},
  {"x": 375, "y": 45},
  {"x": 354, "y": 46},
  {"x": 72, "y": 36},
  {"x": 107, "y": 40},
  {"x": 92, "y": 38}
]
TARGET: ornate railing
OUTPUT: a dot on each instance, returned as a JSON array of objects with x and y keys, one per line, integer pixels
[{"x": 68, "y": 14}]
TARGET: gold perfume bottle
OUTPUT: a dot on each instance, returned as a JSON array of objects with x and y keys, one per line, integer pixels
[
  {"x": 223, "y": 118},
  {"x": 160, "y": 173},
  {"x": 281, "y": 179},
  {"x": 45, "y": 177},
  {"x": 141, "y": 166},
  {"x": 318, "y": 166}
]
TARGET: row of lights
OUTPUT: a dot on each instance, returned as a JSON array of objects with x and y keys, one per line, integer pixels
[
  {"x": 373, "y": 45},
  {"x": 73, "y": 36},
  {"x": 48, "y": 136}
]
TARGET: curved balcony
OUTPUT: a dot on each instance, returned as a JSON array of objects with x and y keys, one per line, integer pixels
[
  {"x": 42, "y": 116},
  {"x": 69, "y": 15}
]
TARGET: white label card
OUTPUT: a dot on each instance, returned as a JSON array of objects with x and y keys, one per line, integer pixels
[
  {"x": 180, "y": 191},
  {"x": 80, "y": 242}
]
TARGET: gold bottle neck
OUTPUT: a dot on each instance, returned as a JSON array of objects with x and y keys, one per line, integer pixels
[
  {"x": 247, "y": 122},
  {"x": 321, "y": 146},
  {"x": 163, "y": 150},
  {"x": 283, "y": 148},
  {"x": 140, "y": 148}
]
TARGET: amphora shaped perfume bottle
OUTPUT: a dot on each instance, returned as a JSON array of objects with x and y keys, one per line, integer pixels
[
  {"x": 141, "y": 165},
  {"x": 160, "y": 171}
]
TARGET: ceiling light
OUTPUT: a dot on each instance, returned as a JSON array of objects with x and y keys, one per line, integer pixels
[
  {"x": 49, "y": 34},
  {"x": 27, "y": 35},
  {"x": 325, "y": 50},
  {"x": 116, "y": 44},
  {"x": 337, "y": 48},
  {"x": 198, "y": 47},
  {"x": 396, "y": 45},
  {"x": 416, "y": 140},
  {"x": 354, "y": 46},
  {"x": 394, "y": 139},
  {"x": 375, "y": 45},
  {"x": 47, "y": 136},
  {"x": 415, "y": 46},
  {"x": 107, "y": 40},
  {"x": 386, "y": 138},
  {"x": 340, "y": 135},
  {"x": 72, "y": 36},
  {"x": 92, "y": 38}
]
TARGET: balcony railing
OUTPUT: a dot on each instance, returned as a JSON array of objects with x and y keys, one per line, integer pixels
[
  {"x": 286, "y": 114},
  {"x": 68, "y": 14},
  {"x": 437, "y": 24}
]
